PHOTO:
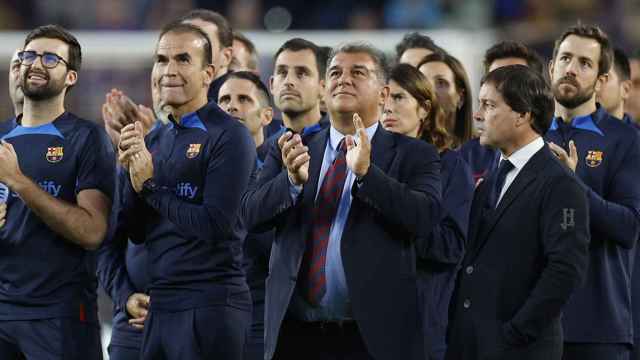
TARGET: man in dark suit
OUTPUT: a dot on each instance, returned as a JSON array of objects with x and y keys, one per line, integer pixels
[
  {"x": 528, "y": 235},
  {"x": 342, "y": 278}
]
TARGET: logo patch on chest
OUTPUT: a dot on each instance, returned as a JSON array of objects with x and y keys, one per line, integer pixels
[
  {"x": 193, "y": 150},
  {"x": 593, "y": 158},
  {"x": 55, "y": 154}
]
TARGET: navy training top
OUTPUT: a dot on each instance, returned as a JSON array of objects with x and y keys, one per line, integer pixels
[
  {"x": 191, "y": 223},
  {"x": 43, "y": 275},
  {"x": 608, "y": 169}
]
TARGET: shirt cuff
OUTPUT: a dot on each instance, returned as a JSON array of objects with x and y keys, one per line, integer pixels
[{"x": 294, "y": 190}]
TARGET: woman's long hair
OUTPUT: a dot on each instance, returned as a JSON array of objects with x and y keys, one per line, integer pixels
[
  {"x": 432, "y": 129},
  {"x": 463, "y": 126}
]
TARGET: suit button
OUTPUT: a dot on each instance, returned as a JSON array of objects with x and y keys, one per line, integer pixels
[
  {"x": 466, "y": 303},
  {"x": 469, "y": 270}
]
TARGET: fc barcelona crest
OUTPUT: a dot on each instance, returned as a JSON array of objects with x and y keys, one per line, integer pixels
[
  {"x": 55, "y": 154},
  {"x": 193, "y": 150},
  {"x": 594, "y": 158}
]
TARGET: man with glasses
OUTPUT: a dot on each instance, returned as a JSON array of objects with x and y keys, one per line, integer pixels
[{"x": 60, "y": 173}]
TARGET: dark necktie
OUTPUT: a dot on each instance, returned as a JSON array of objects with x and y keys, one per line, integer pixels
[
  {"x": 322, "y": 215},
  {"x": 501, "y": 175}
]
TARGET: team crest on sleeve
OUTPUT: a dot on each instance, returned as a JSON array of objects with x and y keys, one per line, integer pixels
[
  {"x": 55, "y": 154},
  {"x": 193, "y": 150},
  {"x": 594, "y": 158}
]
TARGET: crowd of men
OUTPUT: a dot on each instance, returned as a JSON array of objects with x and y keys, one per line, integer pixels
[{"x": 370, "y": 221}]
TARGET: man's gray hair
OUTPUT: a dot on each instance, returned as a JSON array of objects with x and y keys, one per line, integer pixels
[{"x": 378, "y": 57}]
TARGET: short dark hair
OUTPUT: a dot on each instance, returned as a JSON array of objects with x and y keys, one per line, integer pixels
[
  {"x": 595, "y": 33},
  {"x": 255, "y": 79},
  {"x": 378, "y": 57},
  {"x": 621, "y": 64},
  {"x": 178, "y": 27},
  {"x": 525, "y": 91},
  {"x": 250, "y": 46},
  {"x": 299, "y": 44},
  {"x": 225, "y": 32},
  {"x": 59, "y": 33},
  {"x": 463, "y": 128},
  {"x": 416, "y": 40},
  {"x": 513, "y": 49}
]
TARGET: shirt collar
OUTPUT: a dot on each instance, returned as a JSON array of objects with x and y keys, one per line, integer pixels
[
  {"x": 189, "y": 120},
  {"x": 520, "y": 158},
  {"x": 335, "y": 136},
  {"x": 585, "y": 122}
]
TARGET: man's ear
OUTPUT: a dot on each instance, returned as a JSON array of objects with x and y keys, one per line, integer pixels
[
  {"x": 384, "y": 94},
  {"x": 601, "y": 81},
  {"x": 210, "y": 73},
  {"x": 625, "y": 89},
  {"x": 266, "y": 116},
  {"x": 524, "y": 118},
  {"x": 322, "y": 89},
  {"x": 227, "y": 56},
  {"x": 550, "y": 69},
  {"x": 71, "y": 78}
]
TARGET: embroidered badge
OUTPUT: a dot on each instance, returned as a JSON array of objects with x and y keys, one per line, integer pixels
[
  {"x": 594, "y": 158},
  {"x": 55, "y": 154},
  {"x": 193, "y": 150}
]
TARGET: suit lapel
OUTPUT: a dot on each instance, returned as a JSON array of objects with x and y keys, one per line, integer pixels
[
  {"x": 316, "y": 152},
  {"x": 477, "y": 208},
  {"x": 527, "y": 175},
  {"x": 382, "y": 149}
]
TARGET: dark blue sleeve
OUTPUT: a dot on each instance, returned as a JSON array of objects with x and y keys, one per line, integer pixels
[
  {"x": 97, "y": 164},
  {"x": 111, "y": 269},
  {"x": 230, "y": 163},
  {"x": 446, "y": 242},
  {"x": 268, "y": 198},
  {"x": 413, "y": 205},
  {"x": 618, "y": 214}
]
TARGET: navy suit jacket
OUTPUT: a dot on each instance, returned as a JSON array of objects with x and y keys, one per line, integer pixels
[
  {"x": 396, "y": 203},
  {"x": 521, "y": 266}
]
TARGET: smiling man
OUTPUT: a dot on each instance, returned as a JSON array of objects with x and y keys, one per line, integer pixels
[
  {"x": 604, "y": 153},
  {"x": 181, "y": 197},
  {"x": 60, "y": 173},
  {"x": 346, "y": 204}
]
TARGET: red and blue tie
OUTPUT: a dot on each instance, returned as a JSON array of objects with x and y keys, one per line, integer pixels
[{"x": 323, "y": 213}]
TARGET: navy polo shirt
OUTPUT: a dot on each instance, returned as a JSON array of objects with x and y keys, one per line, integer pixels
[
  {"x": 43, "y": 275},
  {"x": 608, "y": 168},
  {"x": 191, "y": 223}
]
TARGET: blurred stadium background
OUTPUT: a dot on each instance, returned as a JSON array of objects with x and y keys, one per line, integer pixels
[{"x": 117, "y": 36}]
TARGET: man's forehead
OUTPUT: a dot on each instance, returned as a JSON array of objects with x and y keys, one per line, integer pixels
[
  {"x": 174, "y": 43},
  {"x": 488, "y": 91},
  {"x": 239, "y": 86},
  {"x": 304, "y": 57},
  {"x": 359, "y": 59},
  {"x": 580, "y": 46},
  {"x": 46, "y": 44}
]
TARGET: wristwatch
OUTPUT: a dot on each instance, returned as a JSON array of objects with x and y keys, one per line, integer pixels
[{"x": 148, "y": 187}]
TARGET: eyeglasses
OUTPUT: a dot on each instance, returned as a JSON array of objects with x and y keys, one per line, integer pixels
[{"x": 49, "y": 60}]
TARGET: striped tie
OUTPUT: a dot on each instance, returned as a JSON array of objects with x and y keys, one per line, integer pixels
[{"x": 323, "y": 213}]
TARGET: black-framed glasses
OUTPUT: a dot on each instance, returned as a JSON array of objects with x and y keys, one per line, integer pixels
[{"x": 49, "y": 60}]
